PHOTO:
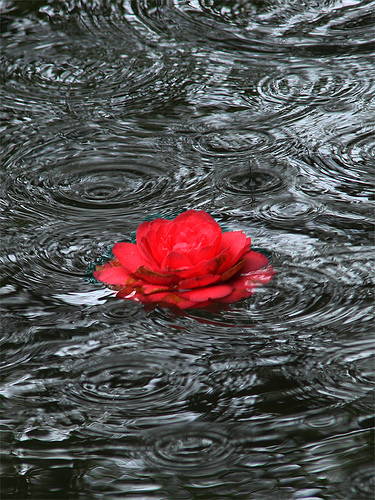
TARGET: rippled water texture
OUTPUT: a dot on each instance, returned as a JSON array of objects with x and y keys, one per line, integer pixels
[{"x": 259, "y": 112}]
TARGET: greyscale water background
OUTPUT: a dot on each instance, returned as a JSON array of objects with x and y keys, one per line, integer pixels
[{"x": 259, "y": 112}]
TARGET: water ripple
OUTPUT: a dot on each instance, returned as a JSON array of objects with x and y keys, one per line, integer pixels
[
  {"x": 239, "y": 183},
  {"x": 361, "y": 483},
  {"x": 151, "y": 385},
  {"x": 319, "y": 294},
  {"x": 283, "y": 213},
  {"x": 236, "y": 142},
  {"x": 107, "y": 187},
  {"x": 352, "y": 365},
  {"x": 340, "y": 180},
  {"x": 107, "y": 71},
  {"x": 57, "y": 251},
  {"x": 308, "y": 85},
  {"x": 292, "y": 94},
  {"x": 257, "y": 181},
  {"x": 192, "y": 449},
  {"x": 301, "y": 28},
  {"x": 334, "y": 457},
  {"x": 360, "y": 149},
  {"x": 308, "y": 293},
  {"x": 76, "y": 187}
]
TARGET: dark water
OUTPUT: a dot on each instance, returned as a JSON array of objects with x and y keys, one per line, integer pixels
[{"x": 259, "y": 112}]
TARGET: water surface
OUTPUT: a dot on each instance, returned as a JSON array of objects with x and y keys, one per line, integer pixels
[{"x": 259, "y": 112}]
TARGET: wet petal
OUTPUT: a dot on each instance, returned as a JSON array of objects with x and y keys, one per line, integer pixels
[
  {"x": 199, "y": 281},
  {"x": 232, "y": 271},
  {"x": 147, "y": 288},
  {"x": 167, "y": 299},
  {"x": 248, "y": 281},
  {"x": 209, "y": 251},
  {"x": 234, "y": 245},
  {"x": 155, "y": 278},
  {"x": 113, "y": 275},
  {"x": 176, "y": 260},
  {"x": 254, "y": 261},
  {"x": 128, "y": 255},
  {"x": 207, "y": 293},
  {"x": 149, "y": 241}
]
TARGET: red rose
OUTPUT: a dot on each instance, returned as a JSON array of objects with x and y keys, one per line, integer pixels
[{"x": 186, "y": 262}]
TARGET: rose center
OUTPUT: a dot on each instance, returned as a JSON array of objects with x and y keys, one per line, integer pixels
[
  {"x": 182, "y": 247},
  {"x": 188, "y": 241}
]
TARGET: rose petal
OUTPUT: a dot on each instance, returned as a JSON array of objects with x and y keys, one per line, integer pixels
[
  {"x": 155, "y": 278},
  {"x": 232, "y": 271},
  {"x": 116, "y": 275},
  {"x": 164, "y": 298},
  {"x": 201, "y": 269},
  {"x": 245, "y": 284},
  {"x": 249, "y": 281},
  {"x": 207, "y": 293},
  {"x": 147, "y": 241},
  {"x": 207, "y": 252},
  {"x": 194, "y": 217},
  {"x": 254, "y": 261},
  {"x": 234, "y": 245},
  {"x": 192, "y": 227},
  {"x": 147, "y": 289},
  {"x": 176, "y": 260},
  {"x": 199, "y": 281},
  {"x": 147, "y": 253},
  {"x": 129, "y": 256},
  {"x": 144, "y": 229}
]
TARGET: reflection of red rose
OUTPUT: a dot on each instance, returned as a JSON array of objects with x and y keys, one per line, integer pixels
[{"x": 186, "y": 262}]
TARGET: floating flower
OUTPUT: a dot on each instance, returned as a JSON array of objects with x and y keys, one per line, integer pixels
[{"x": 187, "y": 262}]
